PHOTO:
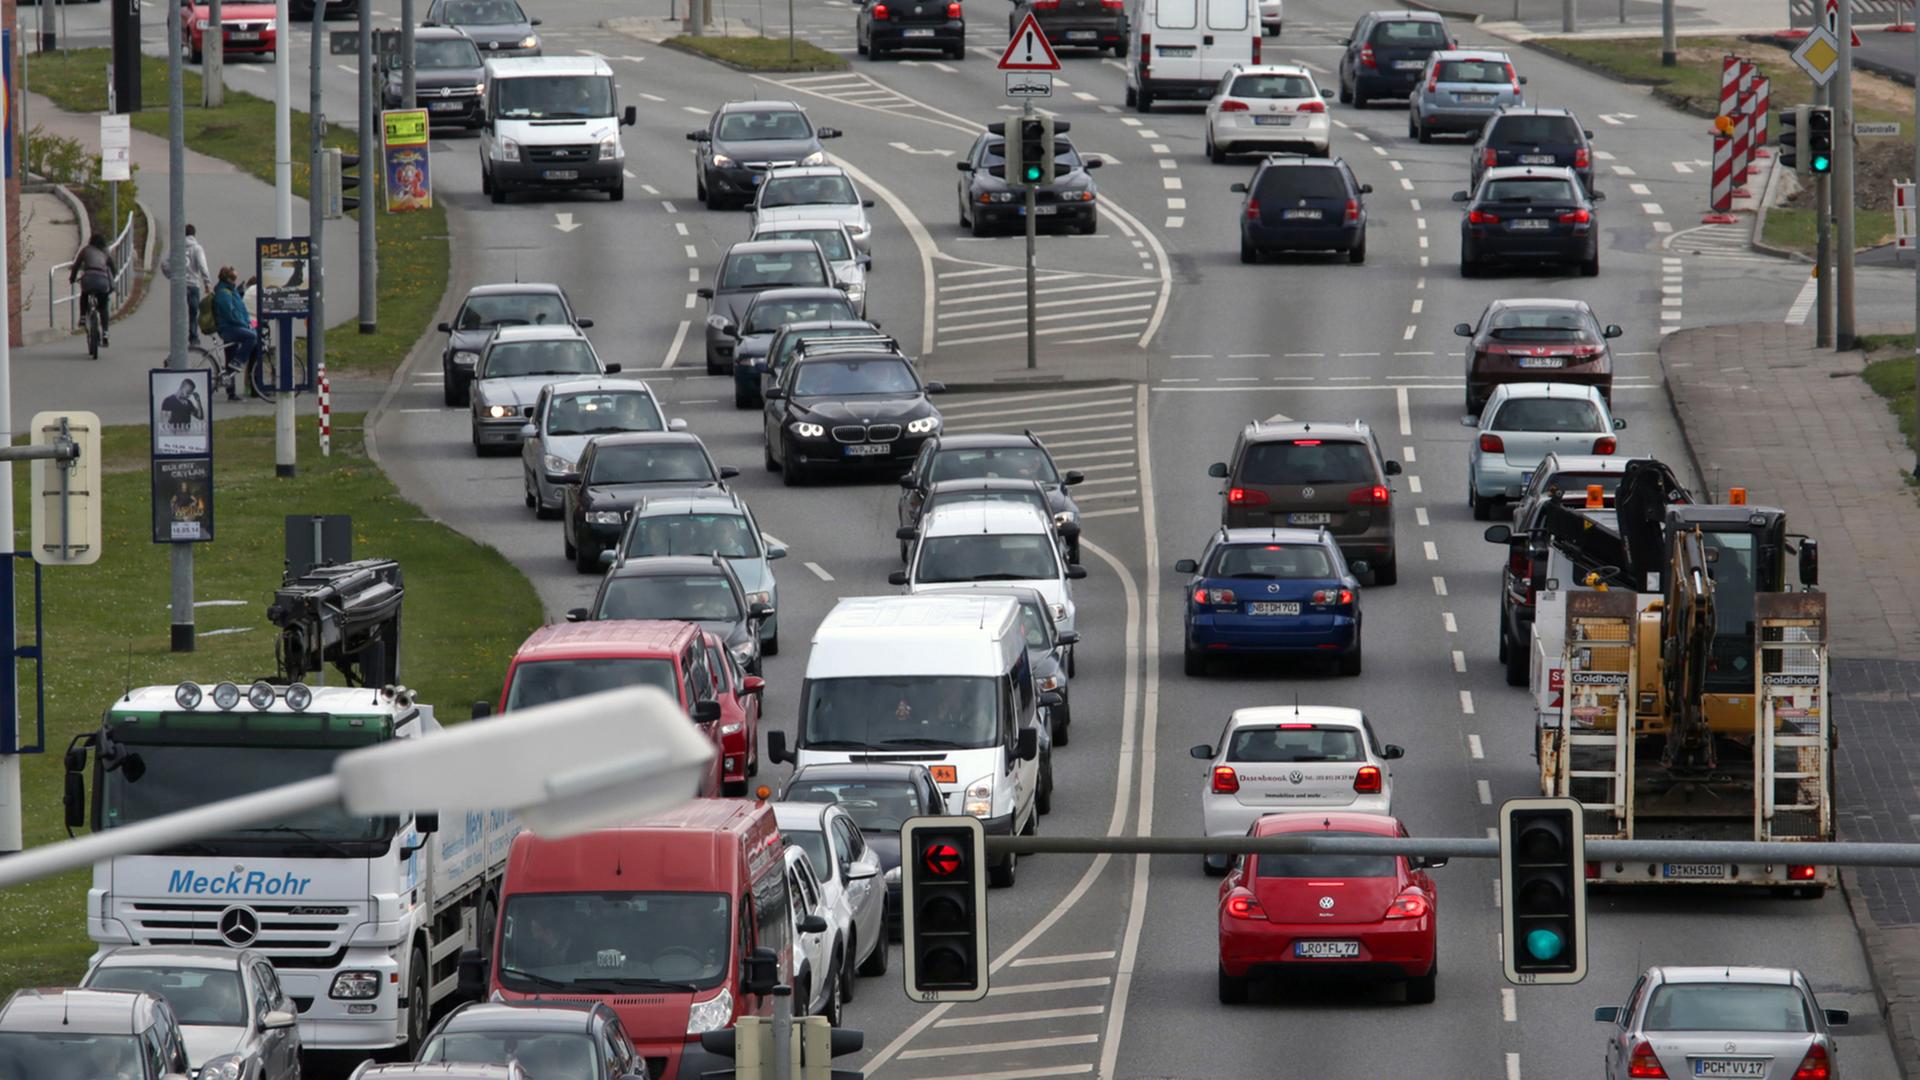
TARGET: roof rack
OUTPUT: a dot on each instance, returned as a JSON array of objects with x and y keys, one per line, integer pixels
[{"x": 862, "y": 343}]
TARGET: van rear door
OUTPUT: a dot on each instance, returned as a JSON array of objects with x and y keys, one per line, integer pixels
[{"x": 1232, "y": 37}]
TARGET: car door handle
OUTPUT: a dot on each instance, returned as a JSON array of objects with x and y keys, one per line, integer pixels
[{"x": 1207, "y": 39}]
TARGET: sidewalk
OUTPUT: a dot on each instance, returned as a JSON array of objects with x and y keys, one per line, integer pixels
[
  {"x": 50, "y": 233},
  {"x": 1762, "y": 409}
]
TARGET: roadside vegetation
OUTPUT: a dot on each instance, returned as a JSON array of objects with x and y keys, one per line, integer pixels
[{"x": 760, "y": 53}]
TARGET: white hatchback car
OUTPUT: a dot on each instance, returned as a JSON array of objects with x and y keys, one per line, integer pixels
[
  {"x": 990, "y": 545},
  {"x": 814, "y": 193},
  {"x": 850, "y": 885},
  {"x": 1520, "y": 425},
  {"x": 816, "y": 943},
  {"x": 1265, "y": 108},
  {"x": 1282, "y": 758}
]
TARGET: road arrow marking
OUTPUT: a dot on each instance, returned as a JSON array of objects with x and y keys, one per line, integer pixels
[
  {"x": 565, "y": 223},
  {"x": 905, "y": 149}
]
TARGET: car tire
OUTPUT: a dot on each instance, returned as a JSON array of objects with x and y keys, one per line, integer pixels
[
  {"x": 1350, "y": 664},
  {"x": 876, "y": 963},
  {"x": 1043, "y": 799},
  {"x": 859, "y": 46},
  {"x": 1248, "y": 253},
  {"x": 1482, "y": 507},
  {"x": 1358, "y": 252},
  {"x": 499, "y": 193},
  {"x": 742, "y": 399},
  {"x": 1143, "y": 101},
  {"x": 789, "y": 469},
  {"x": 1359, "y": 99},
  {"x": 528, "y": 494},
  {"x": 1214, "y": 153},
  {"x": 1062, "y": 722},
  {"x": 566, "y": 544},
  {"x": 1120, "y": 50},
  {"x": 1413, "y": 126},
  {"x": 1131, "y": 97},
  {"x": 618, "y": 192},
  {"x": 874, "y": 52},
  {"x": 1421, "y": 990},
  {"x": 1001, "y": 874},
  {"x": 766, "y": 453},
  {"x": 1092, "y": 226},
  {"x": 1346, "y": 95},
  {"x": 586, "y": 558},
  {"x": 831, "y": 1010},
  {"x": 419, "y": 1012},
  {"x": 958, "y": 52},
  {"x": 977, "y": 225},
  {"x": 449, "y": 390},
  {"x": 848, "y": 986},
  {"x": 1590, "y": 267},
  {"x": 771, "y": 646},
  {"x": 1233, "y": 988},
  {"x": 1388, "y": 574},
  {"x": 1196, "y": 663},
  {"x": 1468, "y": 268},
  {"x": 1516, "y": 661}
]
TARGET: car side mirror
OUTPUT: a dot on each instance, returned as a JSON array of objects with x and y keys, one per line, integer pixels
[
  {"x": 480, "y": 710},
  {"x": 630, "y": 117},
  {"x": 1499, "y": 534},
  {"x": 1588, "y": 132},
  {"x": 898, "y": 577},
  {"x": 1027, "y": 746},
  {"x": 1607, "y": 1014},
  {"x": 866, "y": 263},
  {"x": 584, "y": 324},
  {"x": 1093, "y": 163},
  {"x": 762, "y": 972},
  {"x": 1202, "y": 752},
  {"x": 906, "y": 532},
  {"x": 1619, "y": 424},
  {"x": 1462, "y": 329},
  {"x": 1217, "y": 470},
  {"x": 446, "y": 328},
  {"x": 728, "y": 472},
  {"x": 703, "y": 293},
  {"x": 753, "y": 684},
  {"x": 614, "y": 369},
  {"x": 1596, "y": 196},
  {"x": 278, "y": 1020},
  {"x": 963, "y": 166},
  {"x": 829, "y": 133},
  {"x": 1427, "y": 862},
  {"x": 775, "y": 551},
  {"x": 1328, "y": 94},
  {"x": 812, "y": 924},
  {"x": 1392, "y": 752},
  {"x": 861, "y": 871},
  {"x": 473, "y": 974},
  {"x": 1346, "y": 41},
  {"x": 1237, "y": 187},
  {"x": 606, "y": 557},
  {"x": 1809, "y": 562},
  {"x": 696, "y": 136},
  {"x": 1523, "y": 80},
  {"x": 1837, "y": 1017},
  {"x": 1186, "y": 566},
  {"x": 578, "y": 614},
  {"x": 1460, "y": 196},
  {"x": 1366, "y": 189},
  {"x": 1052, "y": 699},
  {"x": 1391, "y": 468},
  {"x": 1076, "y": 572},
  {"x": 528, "y": 431},
  {"x": 866, "y": 204},
  {"x": 1612, "y": 331},
  {"x": 777, "y": 747},
  {"x": 727, "y": 327},
  {"x": 908, "y": 482},
  {"x": 705, "y": 712},
  {"x": 760, "y": 612},
  {"x": 1068, "y": 637},
  {"x": 1073, "y": 476},
  {"x": 934, "y": 387},
  {"x": 426, "y": 824},
  {"x": 676, "y": 424},
  {"x": 563, "y": 478},
  {"x": 774, "y": 393}
]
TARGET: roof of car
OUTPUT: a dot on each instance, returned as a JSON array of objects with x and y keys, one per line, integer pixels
[
  {"x": 1774, "y": 975},
  {"x": 524, "y": 1016},
  {"x": 649, "y": 438},
  {"x": 660, "y": 565},
  {"x": 608, "y": 384},
  {"x": 1406, "y": 16},
  {"x": 1252, "y": 535},
  {"x": 1540, "y": 302},
  {"x": 1535, "y": 110},
  {"x": 818, "y": 325},
  {"x": 1263, "y": 430},
  {"x": 984, "y": 517},
  {"x": 437, "y": 33},
  {"x": 799, "y": 292},
  {"x": 1292, "y": 159},
  {"x": 520, "y": 67},
  {"x": 1470, "y": 54},
  {"x": 1521, "y": 172},
  {"x": 598, "y": 637},
  {"x": 801, "y": 815},
  {"x": 97, "y": 1012},
  {"x": 1272, "y": 69},
  {"x": 985, "y": 440},
  {"x": 503, "y": 335},
  {"x": 1338, "y": 821},
  {"x": 191, "y": 956},
  {"x": 705, "y": 502},
  {"x": 514, "y": 288},
  {"x": 1546, "y": 390},
  {"x": 807, "y": 170},
  {"x": 770, "y": 247},
  {"x": 1304, "y": 714},
  {"x": 760, "y": 103},
  {"x": 442, "y": 1070},
  {"x": 985, "y": 483},
  {"x": 848, "y": 770}
]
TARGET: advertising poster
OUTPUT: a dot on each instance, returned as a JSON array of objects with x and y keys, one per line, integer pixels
[
  {"x": 285, "y": 270},
  {"x": 409, "y": 181},
  {"x": 182, "y": 422},
  {"x": 182, "y": 500}
]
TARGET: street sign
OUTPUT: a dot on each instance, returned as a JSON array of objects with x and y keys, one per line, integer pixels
[
  {"x": 116, "y": 146},
  {"x": 1877, "y": 131},
  {"x": 1029, "y": 84},
  {"x": 1029, "y": 51},
  {"x": 1819, "y": 55},
  {"x": 409, "y": 183}
]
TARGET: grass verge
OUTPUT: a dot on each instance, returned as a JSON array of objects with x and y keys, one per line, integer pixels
[
  {"x": 760, "y": 53},
  {"x": 412, "y": 247},
  {"x": 1797, "y": 230},
  {"x": 1891, "y": 376},
  {"x": 106, "y": 625}
]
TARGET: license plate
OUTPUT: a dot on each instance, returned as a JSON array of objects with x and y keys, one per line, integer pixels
[
  {"x": 243, "y": 35},
  {"x": 1409, "y": 65},
  {"x": 561, "y": 174},
  {"x": 1528, "y": 224},
  {"x": 1694, "y": 871},
  {"x": 1273, "y": 607},
  {"x": 945, "y": 774},
  {"x": 1272, "y": 121},
  {"x": 1040, "y": 211},
  {"x": 1326, "y": 950},
  {"x": 1536, "y": 159},
  {"x": 1542, "y": 362},
  {"x": 442, "y": 106},
  {"x": 1174, "y": 50},
  {"x": 1083, "y": 35},
  {"x": 1729, "y": 1066},
  {"x": 917, "y": 33},
  {"x": 1300, "y": 215},
  {"x": 871, "y": 449},
  {"x": 1309, "y": 519},
  {"x": 1474, "y": 99}
]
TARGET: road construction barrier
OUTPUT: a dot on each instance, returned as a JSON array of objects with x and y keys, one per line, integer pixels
[
  {"x": 1893, "y": 15},
  {"x": 1720, "y": 193},
  {"x": 1903, "y": 215}
]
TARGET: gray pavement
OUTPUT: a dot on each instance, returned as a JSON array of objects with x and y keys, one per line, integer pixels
[{"x": 50, "y": 233}]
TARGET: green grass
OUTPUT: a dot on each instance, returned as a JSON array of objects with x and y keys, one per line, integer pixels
[
  {"x": 107, "y": 625},
  {"x": 412, "y": 247},
  {"x": 760, "y": 53},
  {"x": 1892, "y": 377},
  {"x": 1796, "y": 229}
]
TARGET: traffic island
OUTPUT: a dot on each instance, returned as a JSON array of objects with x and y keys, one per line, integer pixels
[{"x": 759, "y": 53}]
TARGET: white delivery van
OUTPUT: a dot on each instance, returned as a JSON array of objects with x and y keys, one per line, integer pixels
[
  {"x": 1183, "y": 48},
  {"x": 939, "y": 680},
  {"x": 552, "y": 123}
]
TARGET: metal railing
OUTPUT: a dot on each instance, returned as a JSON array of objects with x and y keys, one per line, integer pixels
[{"x": 121, "y": 250}]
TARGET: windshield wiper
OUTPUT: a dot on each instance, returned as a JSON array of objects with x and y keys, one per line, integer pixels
[
  {"x": 330, "y": 845},
  {"x": 622, "y": 982},
  {"x": 835, "y": 744},
  {"x": 921, "y": 741},
  {"x": 1000, "y": 577},
  {"x": 537, "y": 980}
]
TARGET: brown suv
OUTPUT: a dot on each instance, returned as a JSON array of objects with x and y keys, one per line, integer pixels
[{"x": 1313, "y": 474}]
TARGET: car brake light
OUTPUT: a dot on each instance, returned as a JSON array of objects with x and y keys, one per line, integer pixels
[
  {"x": 1114, "y": 5},
  {"x": 1306, "y": 442},
  {"x": 1366, "y": 56},
  {"x": 1604, "y": 444},
  {"x": 953, "y": 10},
  {"x": 1377, "y": 495},
  {"x": 1519, "y": 562},
  {"x": 1800, "y": 873},
  {"x": 1576, "y": 217},
  {"x": 1481, "y": 217},
  {"x": 1246, "y": 497},
  {"x": 1213, "y": 596},
  {"x": 1433, "y": 81},
  {"x": 1367, "y": 781},
  {"x": 1311, "y": 107},
  {"x": 1353, "y": 211},
  {"x": 1642, "y": 1065},
  {"x": 1233, "y": 106},
  {"x": 1256, "y": 47},
  {"x": 1491, "y": 444},
  {"x": 1408, "y": 905},
  {"x": 1580, "y": 158},
  {"x": 1242, "y": 905},
  {"x": 1593, "y": 870},
  {"x": 1225, "y": 781},
  {"x": 1046, "y": 5},
  {"x": 1146, "y": 52},
  {"x": 1492, "y": 158},
  {"x": 1815, "y": 1065},
  {"x": 1340, "y": 597},
  {"x": 880, "y": 12},
  {"x": 1253, "y": 209}
]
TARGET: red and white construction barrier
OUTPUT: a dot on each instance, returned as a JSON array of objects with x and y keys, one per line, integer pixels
[
  {"x": 1729, "y": 82},
  {"x": 326, "y": 415},
  {"x": 1905, "y": 25},
  {"x": 1903, "y": 215},
  {"x": 1720, "y": 194},
  {"x": 1762, "y": 116},
  {"x": 1741, "y": 150}
]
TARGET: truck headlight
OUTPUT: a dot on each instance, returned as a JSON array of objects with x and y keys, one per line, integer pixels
[
  {"x": 605, "y": 517},
  {"x": 224, "y": 1067},
  {"x": 979, "y": 800},
  {"x": 808, "y": 431},
  {"x": 711, "y": 1014},
  {"x": 355, "y": 986},
  {"x": 610, "y": 148},
  {"x": 509, "y": 151},
  {"x": 923, "y": 425}
]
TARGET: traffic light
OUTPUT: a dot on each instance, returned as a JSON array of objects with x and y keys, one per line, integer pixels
[
  {"x": 1819, "y": 139},
  {"x": 66, "y": 489},
  {"x": 1036, "y": 152},
  {"x": 944, "y": 908},
  {"x": 1543, "y": 891},
  {"x": 348, "y": 181},
  {"x": 1791, "y": 140},
  {"x": 749, "y": 1042},
  {"x": 820, "y": 1042}
]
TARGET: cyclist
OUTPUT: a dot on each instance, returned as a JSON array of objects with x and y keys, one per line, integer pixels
[
  {"x": 93, "y": 269},
  {"x": 230, "y": 319}
]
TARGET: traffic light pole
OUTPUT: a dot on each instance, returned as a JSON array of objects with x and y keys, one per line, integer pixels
[
  {"x": 1842, "y": 189},
  {"x": 783, "y": 1033},
  {"x": 1823, "y": 247},
  {"x": 369, "y": 116},
  {"x": 1033, "y": 215}
]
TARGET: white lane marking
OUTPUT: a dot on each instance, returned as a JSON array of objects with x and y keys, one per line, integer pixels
[
  {"x": 1132, "y": 121},
  {"x": 693, "y": 273},
  {"x": 1622, "y": 170},
  {"x": 1466, "y": 700},
  {"x": 1110, "y": 513},
  {"x": 695, "y": 110},
  {"x": 1604, "y": 155},
  {"x": 692, "y": 298},
  {"x": 1362, "y": 136},
  {"x": 1407, "y": 335},
  {"x": 1513, "y": 1066},
  {"x": 1683, "y": 168},
  {"x": 1508, "y": 1010},
  {"x": 1420, "y": 223},
  {"x": 1439, "y": 585},
  {"x": 1010, "y": 1046},
  {"x": 649, "y": 189},
  {"x": 1420, "y": 516},
  {"x": 1637, "y": 189},
  {"x": 1474, "y": 749},
  {"x": 1160, "y": 148},
  {"x": 1084, "y": 96},
  {"x": 1171, "y": 183},
  {"x": 1008, "y": 1018},
  {"x": 1803, "y": 303},
  {"x": 692, "y": 252},
  {"x": 1407, "y": 456},
  {"x": 1418, "y": 307},
  {"x": 1168, "y": 163},
  {"x": 1432, "y": 553},
  {"x": 406, "y": 410},
  {"x": 667, "y": 205},
  {"x": 679, "y": 339},
  {"x": 1063, "y": 958},
  {"x": 1414, "y": 205},
  {"x": 1019, "y": 1074},
  {"x": 1396, "y": 166},
  {"x": 1176, "y": 202},
  {"x": 1485, "y": 791},
  {"x": 1446, "y": 620},
  {"x": 1175, "y": 222},
  {"x": 1413, "y": 482},
  {"x": 1406, "y": 183},
  {"x": 1459, "y": 662},
  {"x": 681, "y": 228},
  {"x": 1663, "y": 226},
  {"x": 348, "y": 68},
  {"x": 651, "y": 97},
  {"x": 818, "y": 571},
  {"x": 1652, "y": 208}
]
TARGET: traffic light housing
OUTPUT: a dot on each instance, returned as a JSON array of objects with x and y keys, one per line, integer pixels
[
  {"x": 1543, "y": 891},
  {"x": 1819, "y": 139},
  {"x": 749, "y": 1042},
  {"x": 1790, "y": 142},
  {"x": 1036, "y": 152},
  {"x": 820, "y": 1042},
  {"x": 349, "y": 181},
  {"x": 943, "y": 907}
]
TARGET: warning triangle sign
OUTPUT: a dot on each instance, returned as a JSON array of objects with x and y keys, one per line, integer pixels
[{"x": 1029, "y": 51}]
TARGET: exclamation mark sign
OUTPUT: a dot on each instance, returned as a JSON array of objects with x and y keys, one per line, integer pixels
[{"x": 1029, "y": 46}]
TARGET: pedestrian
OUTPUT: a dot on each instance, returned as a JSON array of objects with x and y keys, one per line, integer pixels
[
  {"x": 199, "y": 283},
  {"x": 230, "y": 319}
]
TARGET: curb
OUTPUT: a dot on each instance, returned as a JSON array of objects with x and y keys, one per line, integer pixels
[
  {"x": 459, "y": 281},
  {"x": 1869, "y": 934},
  {"x": 668, "y": 44}
]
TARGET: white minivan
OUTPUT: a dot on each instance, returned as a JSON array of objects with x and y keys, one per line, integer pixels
[
  {"x": 1183, "y": 48},
  {"x": 941, "y": 680},
  {"x": 552, "y": 123}
]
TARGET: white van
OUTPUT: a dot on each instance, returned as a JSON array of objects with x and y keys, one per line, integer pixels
[
  {"x": 1183, "y": 48},
  {"x": 552, "y": 123},
  {"x": 940, "y": 680}
]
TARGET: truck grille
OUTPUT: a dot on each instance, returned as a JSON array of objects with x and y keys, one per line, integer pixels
[
  {"x": 292, "y": 935},
  {"x": 554, "y": 154}
]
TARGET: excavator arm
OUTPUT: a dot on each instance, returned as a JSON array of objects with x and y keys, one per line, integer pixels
[{"x": 1686, "y": 629}]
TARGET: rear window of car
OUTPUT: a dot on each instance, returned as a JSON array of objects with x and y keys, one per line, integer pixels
[
  {"x": 1726, "y": 1007},
  {"x": 1410, "y": 32},
  {"x": 761, "y": 124},
  {"x": 807, "y": 191},
  {"x": 1535, "y": 130},
  {"x": 1296, "y": 742},
  {"x": 1265, "y": 561},
  {"x": 1307, "y": 461},
  {"x": 750, "y": 270},
  {"x": 1303, "y": 182},
  {"x": 1540, "y": 325},
  {"x": 996, "y": 153},
  {"x": 1272, "y": 86},
  {"x": 1325, "y": 866},
  {"x": 771, "y": 315},
  {"x": 1474, "y": 71},
  {"x": 1528, "y": 190},
  {"x": 1547, "y": 415}
]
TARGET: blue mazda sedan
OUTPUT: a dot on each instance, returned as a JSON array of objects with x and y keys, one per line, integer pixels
[{"x": 1285, "y": 592}]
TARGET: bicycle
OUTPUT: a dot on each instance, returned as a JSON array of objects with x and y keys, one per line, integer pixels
[
  {"x": 229, "y": 376},
  {"x": 91, "y": 316}
]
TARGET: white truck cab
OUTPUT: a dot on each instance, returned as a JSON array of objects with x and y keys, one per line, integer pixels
[
  {"x": 1183, "y": 48},
  {"x": 552, "y": 123}
]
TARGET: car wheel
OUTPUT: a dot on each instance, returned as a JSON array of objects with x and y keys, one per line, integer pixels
[
  {"x": 1043, "y": 799},
  {"x": 1420, "y": 991},
  {"x": 1350, "y": 663},
  {"x": 1233, "y": 988},
  {"x": 766, "y": 452},
  {"x": 618, "y": 192},
  {"x": 1214, "y": 153},
  {"x": 715, "y": 201},
  {"x": 1143, "y": 101},
  {"x": 1482, "y": 507},
  {"x": 1359, "y": 99},
  {"x": 1062, "y": 722},
  {"x": 418, "y": 1011},
  {"x": 1516, "y": 660},
  {"x": 499, "y": 193},
  {"x": 1358, "y": 252},
  {"x": 876, "y": 962},
  {"x": 1346, "y": 95},
  {"x": 566, "y": 544},
  {"x": 847, "y": 985},
  {"x": 531, "y": 496},
  {"x": 1248, "y": 253},
  {"x": 831, "y": 1009},
  {"x": 1590, "y": 267},
  {"x": 958, "y": 52},
  {"x": 1092, "y": 226},
  {"x": 1002, "y": 873},
  {"x": 1388, "y": 574},
  {"x": 1467, "y": 266},
  {"x": 1120, "y": 50},
  {"x": 873, "y": 51},
  {"x": 1130, "y": 97},
  {"x": 1196, "y": 663},
  {"x": 978, "y": 226},
  {"x": 771, "y": 646},
  {"x": 789, "y": 469},
  {"x": 486, "y": 182},
  {"x": 1424, "y": 134},
  {"x": 586, "y": 557},
  {"x": 1413, "y": 127},
  {"x": 859, "y": 46},
  {"x": 449, "y": 389}
]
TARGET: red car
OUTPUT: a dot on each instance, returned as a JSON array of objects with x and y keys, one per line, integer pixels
[
  {"x": 1537, "y": 340},
  {"x": 250, "y": 30},
  {"x": 739, "y": 725},
  {"x": 1370, "y": 916}
]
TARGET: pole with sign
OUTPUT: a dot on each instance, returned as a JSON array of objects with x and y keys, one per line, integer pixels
[
  {"x": 283, "y": 273},
  {"x": 1843, "y": 191},
  {"x": 116, "y": 158},
  {"x": 409, "y": 180},
  {"x": 1029, "y": 63},
  {"x": 10, "y": 815}
]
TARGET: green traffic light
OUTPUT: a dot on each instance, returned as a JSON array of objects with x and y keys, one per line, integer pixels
[
  {"x": 1033, "y": 173},
  {"x": 1822, "y": 163},
  {"x": 1545, "y": 944}
]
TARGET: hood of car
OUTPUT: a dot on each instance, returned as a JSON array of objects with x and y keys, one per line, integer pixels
[
  {"x": 841, "y": 212},
  {"x": 206, "y": 1041},
  {"x": 569, "y": 447},
  {"x": 511, "y": 390},
  {"x": 732, "y": 303},
  {"x": 763, "y": 151},
  {"x": 752, "y": 346},
  {"x": 498, "y": 35},
  {"x": 468, "y": 340},
  {"x": 755, "y": 574},
  {"x": 428, "y": 83},
  {"x": 863, "y": 410}
]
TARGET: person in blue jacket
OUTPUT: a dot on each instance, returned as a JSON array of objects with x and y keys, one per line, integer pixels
[{"x": 231, "y": 320}]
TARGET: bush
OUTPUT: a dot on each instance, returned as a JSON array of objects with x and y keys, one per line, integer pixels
[{"x": 66, "y": 162}]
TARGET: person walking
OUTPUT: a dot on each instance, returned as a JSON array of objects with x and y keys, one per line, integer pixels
[
  {"x": 199, "y": 283},
  {"x": 230, "y": 319}
]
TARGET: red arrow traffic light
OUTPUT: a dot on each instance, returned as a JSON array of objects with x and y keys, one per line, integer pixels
[{"x": 941, "y": 859}]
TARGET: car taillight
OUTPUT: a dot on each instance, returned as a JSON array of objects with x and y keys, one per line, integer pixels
[
  {"x": 1311, "y": 107},
  {"x": 1408, "y": 905},
  {"x": 1367, "y": 780},
  {"x": 1366, "y": 56},
  {"x": 880, "y": 12},
  {"x": 1433, "y": 81},
  {"x": 1233, "y": 106},
  {"x": 1491, "y": 444},
  {"x": 1146, "y": 52},
  {"x": 1242, "y": 905},
  {"x": 1353, "y": 211},
  {"x": 1256, "y": 48},
  {"x": 1246, "y": 497},
  {"x": 1046, "y": 5},
  {"x": 1377, "y": 495},
  {"x": 1576, "y": 217},
  {"x": 1491, "y": 159},
  {"x": 1481, "y": 217},
  {"x": 1114, "y": 5},
  {"x": 1604, "y": 445},
  {"x": 1593, "y": 870},
  {"x": 1519, "y": 562},
  {"x": 1580, "y": 158},
  {"x": 1815, "y": 1065},
  {"x": 1213, "y": 596},
  {"x": 1225, "y": 781},
  {"x": 1340, "y": 597},
  {"x": 953, "y": 10},
  {"x": 1513, "y": 79},
  {"x": 1800, "y": 873},
  {"x": 1253, "y": 209},
  {"x": 1642, "y": 1065}
]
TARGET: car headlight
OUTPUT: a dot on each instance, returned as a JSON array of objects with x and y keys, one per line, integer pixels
[
  {"x": 731, "y": 729},
  {"x": 465, "y": 358},
  {"x": 762, "y": 597},
  {"x": 717, "y": 321},
  {"x": 479, "y": 88},
  {"x": 996, "y": 196},
  {"x": 1052, "y": 682},
  {"x": 224, "y": 1067},
  {"x": 271, "y": 27},
  {"x": 923, "y": 425},
  {"x": 711, "y": 1014},
  {"x": 806, "y": 430},
  {"x": 605, "y": 517},
  {"x": 1059, "y": 611},
  {"x": 610, "y": 148},
  {"x": 531, "y": 41},
  {"x": 745, "y": 655},
  {"x": 554, "y": 463},
  {"x": 509, "y": 150},
  {"x": 893, "y": 876},
  {"x": 499, "y": 412},
  {"x": 860, "y": 230},
  {"x": 818, "y": 157},
  {"x": 979, "y": 800},
  {"x": 1076, "y": 196},
  {"x": 722, "y": 161},
  {"x": 1066, "y": 517},
  {"x": 355, "y": 985}
]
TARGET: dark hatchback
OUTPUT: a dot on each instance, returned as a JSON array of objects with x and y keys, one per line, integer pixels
[
  {"x": 743, "y": 140},
  {"x": 617, "y": 471},
  {"x": 699, "y": 589},
  {"x": 1076, "y": 24},
  {"x": 1529, "y": 214},
  {"x": 751, "y": 267},
  {"x": 879, "y": 797},
  {"x": 988, "y": 202},
  {"x": 751, "y": 376},
  {"x": 486, "y": 308},
  {"x": 990, "y": 456},
  {"x": 1542, "y": 339},
  {"x": 1297, "y": 203},
  {"x": 884, "y": 26},
  {"x": 498, "y": 27},
  {"x": 1532, "y": 135},
  {"x": 449, "y": 77},
  {"x": 1387, "y": 52},
  {"x": 776, "y": 308},
  {"x": 856, "y": 410}
]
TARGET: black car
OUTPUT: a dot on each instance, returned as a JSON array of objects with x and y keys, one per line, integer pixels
[
  {"x": 751, "y": 267},
  {"x": 879, "y": 797},
  {"x": 884, "y": 26},
  {"x": 1298, "y": 203},
  {"x": 744, "y": 139},
  {"x": 689, "y": 588},
  {"x": 1387, "y": 52},
  {"x": 449, "y": 78},
  {"x": 498, "y": 27},
  {"x": 1529, "y": 214},
  {"x": 549, "y": 1038},
  {"x": 302, "y": 10},
  {"x": 751, "y": 372},
  {"x": 774, "y": 309},
  {"x": 617, "y": 471},
  {"x": 486, "y": 308},
  {"x": 947, "y": 458},
  {"x": 858, "y": 409},
  {"x": 1532, "y": 135},
  {"x": 988, "y": 202},
  {"x": 1049, "y": 653},
  {"x": 1024, "y": 492},
  {"x": 1076, "y": 24}
]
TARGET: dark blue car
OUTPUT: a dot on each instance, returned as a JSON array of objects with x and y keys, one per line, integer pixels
[
  {"x": 1285, "y": 592},
  {"x": 1298, "y": 203}
]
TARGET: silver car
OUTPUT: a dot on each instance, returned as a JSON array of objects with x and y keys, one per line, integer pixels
[
  {"x": 517, "y": 362},
  {"x": 836, "y": 243},
  {"x": 1751, "y": 1022},
  {"x": 236, "y": 1021},
  {"x": 1520, "y": 425},
  {"x": 814, "y": 193},
  {"x": 565, "y": 416},
  {"x": 1460, "y": 90},
  {"x": 718, "y": 524}
]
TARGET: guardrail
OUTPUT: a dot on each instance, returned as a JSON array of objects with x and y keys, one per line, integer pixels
[{"x": 121, "y": 250}]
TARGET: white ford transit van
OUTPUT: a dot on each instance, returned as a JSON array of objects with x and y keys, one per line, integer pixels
[
  {"x": 1182, "y": 48},
  {"x": 552, "y": 123}
]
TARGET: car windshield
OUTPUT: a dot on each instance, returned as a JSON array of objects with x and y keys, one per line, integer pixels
[
  {"x": 1547, "y": 415},
  {"x": 1307, "y": 461},
  {"x": 1273, "y": 86},
  {"x": 892, "y": 712},
  {"x": 848, "y": 378},
  {"x": 758, "y": 125},
  {"x": 833, "y": 242},
  {"x": 1528, "y": 190},
  {"x": 603, "y": 413},
  {"x": 729, "y": 536},
  {"x": 542, "y": 682},
  {"x": 994, "y": 463},
  {"x": 1036, "y": 625},
  {"x": 1266, "y": 561},
  {"x": 874, "y": 805},
  {"x": 541, "y": 1053},
  {"x": 555, "y": 97},
  {"x": 773, "y": 269},
  {"x": 814, "y": 843},
  {"x": 1321, "y": 866},
  {"x": 1030, "y": 497},
  {"x": 1302, "y": 182},
  {"x": 442, "y": 55},
  {"x": 1533, "y": 130},
  {"x": 1405, "y": 32},
  {"x": 197, "y": 995},
  {"x": 514, "y": 358},
  {"x": 807, "y": 191},
  {"x": 1540, "y": 325},
  {"x": 512, "y": 309},
  {"x": 1475, "y": 71},
  {"x": 1295, "y": 742},
  {"x": 60, "y": 1055},
  {"x": 650, "y": 463},
  {"x": 692, "y": 597},
  {"x": 614, "y": 940},
  {"x": 1727, "y": 1007},
  {"x": 987, "y": 557},
  {"x": 769, "y": 315},
  {"x": 482, "y": 12}
]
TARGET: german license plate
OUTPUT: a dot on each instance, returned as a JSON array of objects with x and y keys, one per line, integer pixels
[
  {"x": 561, "y": 174},
  {"x": 1308, "y": 214},
  {"x": 1083, "y": 35},
  {"x": 1272, "y": 121},
  {"x": 1474, "y": 99},
  {"x": 945, "y": 774},
  {"x": 1542, "y": 362},
  {"x": 870, "y": 449},
  {"x": 1527, "y": 224},
  {"x": 1174, "y": 50},
  {"x": 1729, "y": 1066},
  {"x": 243, "y": 35},
  {"x": 1273, "y": 607},
  {"x": 917, "y": 33},
  {"x": 1693, "y": 871},
  {"x": 1326, "y": 950},
  {"x": 1309, "y": 519},
  {"x": 1536, "y": 159},
  {"x": 1040, "y": 211},
  {"x": 442, "y": 106}
]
